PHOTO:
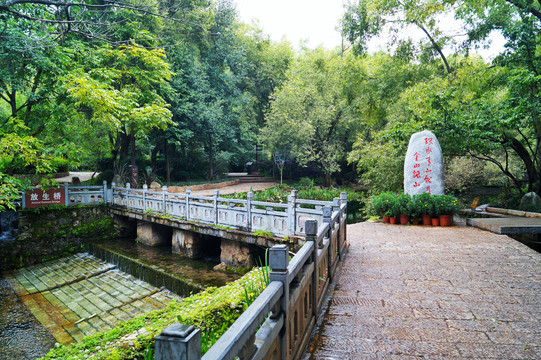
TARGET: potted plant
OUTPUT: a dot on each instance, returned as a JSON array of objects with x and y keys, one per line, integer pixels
[
  {"x": 380, "y": 204},
  {"x": 416, "y": 210},
  {"x": 394, "y": 209},
  {"x": 436, "y": 209},
  {"x": 447, "y": 206},
  {"x": 404, "y": 208},
  {"x": 424, "y": 204}
]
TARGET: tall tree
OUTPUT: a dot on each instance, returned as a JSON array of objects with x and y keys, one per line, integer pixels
[
  {"x": 309, "y": 117},
  {"x": 123, "y": 89}
]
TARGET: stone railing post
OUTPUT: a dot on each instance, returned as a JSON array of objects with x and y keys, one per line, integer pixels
[
  {"x": 311, "y": 235},
  {"x": 215, "y": 206},
  {"x": 104, "y": 197},
  {"x": 336, "y": 206},
  {"x": 178, "y": 341},
  {"x": 128, "y": 195},
  {"x": 249, "y": 200},
  {"x": 145, "y": 189},
  {"x": 327, "y": 214},
  {"x": 112, "y": 199},
  {"x": 188, "y": 192},
  {"x": 292, "y": 213},
  {"x": 343, "y": 230},
  {"x": 66, "y": 194},
  {"x": 278, "y": 262},
  {"x": 164, "y": 190},
  {"x": 343, "y": 198}
]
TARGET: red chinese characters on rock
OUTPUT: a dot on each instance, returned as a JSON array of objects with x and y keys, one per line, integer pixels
[
  {"x": 38, "y": 197},
  {"x": 429, "y": 141},
  {"x": 428, "y": 179}
]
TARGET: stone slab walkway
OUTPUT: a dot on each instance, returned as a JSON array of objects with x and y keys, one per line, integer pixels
[
  {"x": 508, "y": 225},
  {"x": 412, "y": 292},
  {"x": 79, "y": 295}
]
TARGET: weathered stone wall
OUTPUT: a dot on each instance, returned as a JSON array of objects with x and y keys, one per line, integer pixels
[{"x": 47, "y": 234}]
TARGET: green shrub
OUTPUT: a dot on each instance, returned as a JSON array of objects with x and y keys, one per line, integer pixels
[
  {"x": 424, "y": 204},
  {"x": 445, "y": 204},
  {"x": 404, "y": 204},
  {"x": 382, "y": 202}
]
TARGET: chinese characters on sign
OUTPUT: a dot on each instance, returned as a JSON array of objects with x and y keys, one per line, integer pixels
[
  {"x": 423, "y": 166},
  {"x": 38, "y": 197},
  {"x": 417, "y": 173}
]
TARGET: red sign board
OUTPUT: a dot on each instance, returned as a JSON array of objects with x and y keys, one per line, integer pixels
[{"x": 38, "y": 197}]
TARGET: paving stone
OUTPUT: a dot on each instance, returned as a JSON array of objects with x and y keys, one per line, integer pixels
[{"x": 412, "y": 292}]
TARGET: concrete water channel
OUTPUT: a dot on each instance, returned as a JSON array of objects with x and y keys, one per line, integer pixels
[{"x": 63, "y": 300}]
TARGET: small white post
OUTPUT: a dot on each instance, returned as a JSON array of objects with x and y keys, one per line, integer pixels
[
  {"x": 249, "y": 200},
  {"x": 216, "y": 195},
  {"x": 145, "y": 189},
  {"x": 188, "y": 192},
  {"x": 104, "y": 197},
  {"x": 164, "y": 189},
  {"x": 113, "y": 184},
  {"x": 292, "y": 213},
  {"x": 127, "y": 195}
]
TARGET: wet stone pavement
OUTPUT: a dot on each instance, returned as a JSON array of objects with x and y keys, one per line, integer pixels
[
  {"x": 411, "y": 292},
  {"x": 78, "y": 295}
]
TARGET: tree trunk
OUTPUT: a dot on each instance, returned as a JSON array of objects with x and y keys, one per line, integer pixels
[
  {"x": 327, "y": 180},
  {"x": 533, "y": 176},
  {"x": 133, "y": 167}
]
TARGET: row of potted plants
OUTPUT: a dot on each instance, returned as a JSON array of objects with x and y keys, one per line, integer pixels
[{"x": 401, "y": 208}]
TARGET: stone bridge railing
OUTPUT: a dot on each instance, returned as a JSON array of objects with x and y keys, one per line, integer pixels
[
  {"x": 249, "y": 215},
  {"x": 277, "y": 325}
]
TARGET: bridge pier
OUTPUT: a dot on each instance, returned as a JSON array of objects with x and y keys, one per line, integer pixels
[
  {"x": 237, "y": 254},
  {"x": 187, "y": 243},
  {"x": 153, "y": 234}
]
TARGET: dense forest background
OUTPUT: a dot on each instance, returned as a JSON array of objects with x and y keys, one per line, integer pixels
[{"x": 185, "y": 90}]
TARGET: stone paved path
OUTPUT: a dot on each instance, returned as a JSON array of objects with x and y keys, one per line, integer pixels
[
  {"x": 81, "y": 294},
  {"x": 411, "y": 292}
]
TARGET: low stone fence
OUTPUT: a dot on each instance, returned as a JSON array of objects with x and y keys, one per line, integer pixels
[
  {"x": 278, "y": 324},
  {"x": 248, "y": 215}
]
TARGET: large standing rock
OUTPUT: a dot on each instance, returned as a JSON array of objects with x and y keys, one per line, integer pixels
[
  {"x": 530, "y": 201},
  {"x": 423, "y": 167}
]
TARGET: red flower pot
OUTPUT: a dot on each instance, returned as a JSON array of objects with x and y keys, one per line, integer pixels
[
  {"x": 404, "y": 219},
  {"x": 427, "y": 219},
  {"x": 446, "y": 220},
  {"x": 385, "y": 218},
  {"x": 392, "y": 220},
  {"x": 435, "y": 221},
  {"x": 415, "y": 221}
]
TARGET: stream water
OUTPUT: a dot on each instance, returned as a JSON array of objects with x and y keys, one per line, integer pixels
[
  {"x": 22, "y": 336},
  {"x": 157, "y": 264}
]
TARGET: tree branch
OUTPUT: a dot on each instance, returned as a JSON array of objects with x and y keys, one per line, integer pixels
[
  {"x": 523, "y": 7},
  {"x": 436, "y": 46}
]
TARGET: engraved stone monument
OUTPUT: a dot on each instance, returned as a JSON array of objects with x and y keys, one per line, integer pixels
[{"x": 423, "y": 167}]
